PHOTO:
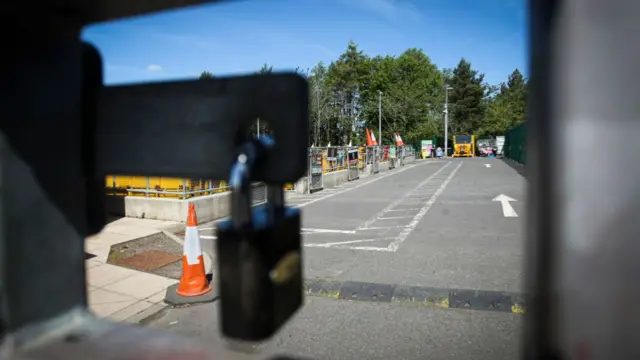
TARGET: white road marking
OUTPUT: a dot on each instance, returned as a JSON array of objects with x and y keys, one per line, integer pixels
[
  {"x": 391, "y": 173},
  {"x": 325, "y": 194},
  {"x": 315, "y": 197},
  {"x": 364, "y": 248},
  {"x": 398, "y": 202},
  {"x": 332, "y": 244},
  {"x": 402, "y": 209},
  {"x": 329, "y": 231},
  {"x": 416, "y": 220},
  {"x": 507, "y": 209},
  {"x": 394, "y": 217},
  {"x": 383, "y": 227},
  {"x": 413, "y": 202}
]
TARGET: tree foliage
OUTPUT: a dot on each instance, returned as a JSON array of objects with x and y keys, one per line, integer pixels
[
  {"x": 346, "y": 94},
  {"x": 467, "y": 99},
  {"x": 207, "y": 75}
]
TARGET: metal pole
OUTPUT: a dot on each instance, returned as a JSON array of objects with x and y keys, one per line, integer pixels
[
  {"x": 446, "y": 120},
  {"x": 258, "y": 129},
  {"x": 379, "y": 117}
]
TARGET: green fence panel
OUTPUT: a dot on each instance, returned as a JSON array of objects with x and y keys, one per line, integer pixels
[{"x": 515, "y": 144}]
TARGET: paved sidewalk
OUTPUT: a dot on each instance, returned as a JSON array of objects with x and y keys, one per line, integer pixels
[{"x": 118, "y": 293}]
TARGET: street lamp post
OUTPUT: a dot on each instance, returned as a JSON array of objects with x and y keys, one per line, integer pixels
[
  {"x": 446, "y": 119},
  {"x": 379, "y": 117}
]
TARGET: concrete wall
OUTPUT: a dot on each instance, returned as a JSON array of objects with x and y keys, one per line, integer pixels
[
  {"x": 335, "y": 178},
  {"x": 210, "y": 207},
  {"x": 302, "y": 186},
  {"x": 329, "y": 180}
]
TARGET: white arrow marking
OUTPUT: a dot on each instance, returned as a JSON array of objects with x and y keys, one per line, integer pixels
[
  {"x": 507, "y": 209},
  {"x": 487, "y": 165}
]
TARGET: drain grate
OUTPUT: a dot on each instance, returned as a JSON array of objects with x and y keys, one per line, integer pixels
[{"x": 148, "y": 260}]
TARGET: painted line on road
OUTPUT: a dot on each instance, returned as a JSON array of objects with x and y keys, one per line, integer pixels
[
  {"x": 383, "y": 227},
  {"x": 362, "y": 248},
  {"x": 209, "y": 237},
  {"x": 408, "y": 209},
  {"x": 416, "y": 220},
  {"x": 380, "y": 216},
  {"x": 412, "y": 199},
  {"x": 391, "y": 173},
  {"x": 329, "y": 231},
  {"x": 480, "y": 300},
  {"x": 346, "y": 242},
  {"x": 399, "y": 201}
]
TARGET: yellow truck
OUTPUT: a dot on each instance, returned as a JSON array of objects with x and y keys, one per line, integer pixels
[{"x": 464, "y": 146}]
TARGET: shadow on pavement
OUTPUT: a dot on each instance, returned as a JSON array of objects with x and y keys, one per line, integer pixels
[{"x": 517, "y": 167}]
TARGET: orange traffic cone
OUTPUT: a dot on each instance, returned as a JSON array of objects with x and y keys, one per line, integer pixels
[{"x": 194, "y": 279}]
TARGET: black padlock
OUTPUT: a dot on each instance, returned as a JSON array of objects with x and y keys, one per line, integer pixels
[{"x": 259, "y": 260}]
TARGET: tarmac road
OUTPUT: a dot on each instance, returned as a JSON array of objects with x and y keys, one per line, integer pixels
[{"x": 433, "y": 261}]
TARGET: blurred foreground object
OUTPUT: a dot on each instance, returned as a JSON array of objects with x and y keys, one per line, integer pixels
[{"x": 59, "y": 127}]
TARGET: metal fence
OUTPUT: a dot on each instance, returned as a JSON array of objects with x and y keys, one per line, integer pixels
[
  {"x": 370, "y": 155},
  {"x": 515, "y": 144},
  {"x": 321, "y": 161},
  {"x": 177, "y": 188},
  {"x": 375, "y": 167},
  {"x": 353, "y": 163},
  {"x": 316, "y": 165}
]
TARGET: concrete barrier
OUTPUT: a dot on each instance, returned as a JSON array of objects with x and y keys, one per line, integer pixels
[
  {"x": 302, "y": 186},
  {"x": 335, "y": 178},
  {"x": 329, "y": 180},
  {"x": 209, "y": 207}
]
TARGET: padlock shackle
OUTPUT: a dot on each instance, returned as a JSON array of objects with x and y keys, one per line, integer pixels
[{"x": 252, "y": 152}]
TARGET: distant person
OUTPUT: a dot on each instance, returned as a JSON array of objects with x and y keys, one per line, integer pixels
[{"x": 439, "y": 152}]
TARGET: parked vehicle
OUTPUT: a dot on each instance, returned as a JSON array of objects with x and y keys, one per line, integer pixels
[
  {"x": 486, "y": 146},
  {"x": 463, "y": 146}
]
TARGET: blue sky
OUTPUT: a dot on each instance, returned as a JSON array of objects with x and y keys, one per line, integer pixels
[{"x": 239, "y": 36}]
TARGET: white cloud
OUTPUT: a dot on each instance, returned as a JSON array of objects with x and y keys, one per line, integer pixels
[{"x": 154, "y": 67}]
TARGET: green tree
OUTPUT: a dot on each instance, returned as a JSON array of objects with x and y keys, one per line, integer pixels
[
  {"x": 410, "y": 101},
  {"x": 346, "y": 77},
  {"x": 516, "y": 93},
  {"x": 261, "y": 127},
  {"x": 319, "y": 106},
  {"x": 467, "y": 99},
  {"x": 508, "y": 107},
  {"x": 265, "y": 69},
  {"x": 344, "y": 98},
  {"x": 207, "y": 75}
]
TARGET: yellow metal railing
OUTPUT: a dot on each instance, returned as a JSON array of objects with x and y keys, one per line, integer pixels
[{"x": 125, "y": 185}]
